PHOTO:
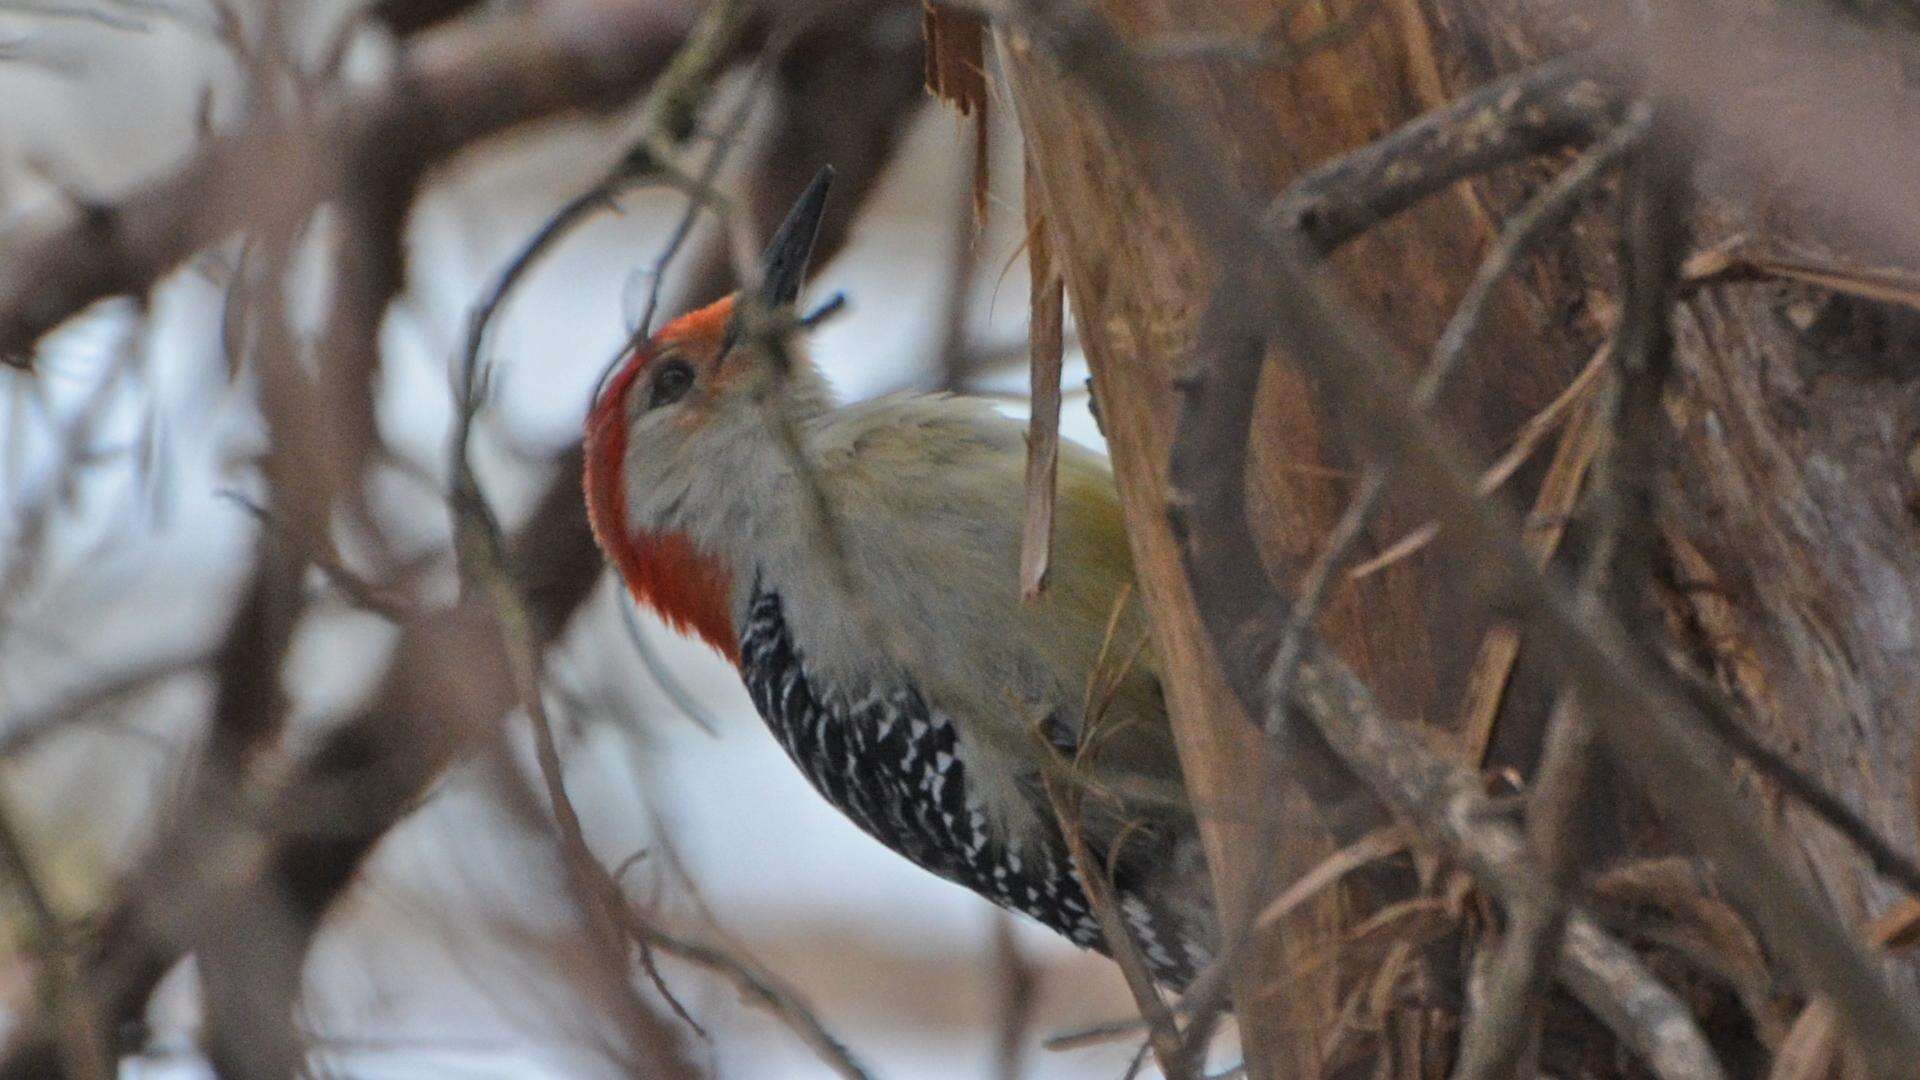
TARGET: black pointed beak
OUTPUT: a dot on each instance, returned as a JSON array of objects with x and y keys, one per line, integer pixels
[{"x": 784, "y": 267}]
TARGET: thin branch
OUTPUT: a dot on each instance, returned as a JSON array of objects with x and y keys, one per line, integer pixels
[
  {"x": 701, "y": 195},
  {"x": 662, "y": 675},
  {"x": 484, "y": 569},
  {"x": 1383, "y": 844},
  {"x": 33, "y": 521},
  {"x": 1018, "y": 986},
  {"x": 1565, "y": 102},
  {"x": 1541, "y": 424},
  {"x": 454, "y": 88},
  {"x": 760, "y": 987},
  {"x": 1095, "y": 1035},
  {"x": 1718, "y": 712},
  {"x": 80, "y": 12},
  {"x": 1546, "y": 524},
  {"x": 1163, "y": 1035},
  {"x": 1546, "y": 211},
  {"x": 1501, "y": 1031},
  {"x": 84, "y": 1043},
  {"x": 25, "y": 730},
  {"x": 1619, "y": 573},
  {"x": 679, "y": 92},
  {"x": 358, "y": 591},
  {"x": 484, "y": 562}
]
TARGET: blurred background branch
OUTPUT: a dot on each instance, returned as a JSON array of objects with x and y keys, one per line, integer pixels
[{"x": 274, "y": 819}]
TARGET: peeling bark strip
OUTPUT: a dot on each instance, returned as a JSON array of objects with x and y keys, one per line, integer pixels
[
  {"x": 1046, "y": 343},
  {"x": 956, "y": 57},
  {"x": 957, "y": 74}
]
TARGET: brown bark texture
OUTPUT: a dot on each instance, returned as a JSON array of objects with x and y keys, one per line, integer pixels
[
  {"x": 1138, "y": 284},
  {"x": 1786, "y": 569}
]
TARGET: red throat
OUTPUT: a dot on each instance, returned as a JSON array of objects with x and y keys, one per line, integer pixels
[{"x": 664, "y": 571}]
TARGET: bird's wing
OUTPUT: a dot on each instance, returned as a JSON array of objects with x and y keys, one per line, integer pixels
[{"x": 928, "y": 497}]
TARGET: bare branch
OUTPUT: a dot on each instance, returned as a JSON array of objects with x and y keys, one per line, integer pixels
[
  {"x": 662, "y": 675},
  {"x": 1560, "y": 103},
  {"x": 250, "y": 952},
  {"x": 84, "y": 1045},
  {"x": 1163, "y": 1035},
  {"x": 759, "y": 986},
  {"x": 1018, "y": 986},
  {"x": 454, "y": 88},
  {"x": 1378, "y": 845},
  {"x": 1609, "y": 979},
  {"x": 369, "y": 772},
  {"x": 1718, "y": 712},
  {"x": 25, "y": 730}
]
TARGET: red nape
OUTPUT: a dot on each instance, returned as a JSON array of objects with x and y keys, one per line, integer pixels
[{"x": 662, "y": 570}]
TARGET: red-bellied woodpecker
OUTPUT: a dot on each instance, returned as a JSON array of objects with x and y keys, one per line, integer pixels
[{"x": 935, "y": 738}]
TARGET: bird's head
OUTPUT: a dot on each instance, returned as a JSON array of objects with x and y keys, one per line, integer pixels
[{"x": 675, "y": 424}]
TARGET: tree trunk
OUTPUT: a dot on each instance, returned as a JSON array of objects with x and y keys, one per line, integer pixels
[{"x": 1792, "y": 575}]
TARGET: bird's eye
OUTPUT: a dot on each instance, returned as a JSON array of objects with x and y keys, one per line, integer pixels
[{"x": 671, "y": 383}]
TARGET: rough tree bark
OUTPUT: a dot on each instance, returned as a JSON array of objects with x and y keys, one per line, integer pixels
[
  {"x": 1138, "y": 285},
  {"x": 1790, "y": 573}
]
